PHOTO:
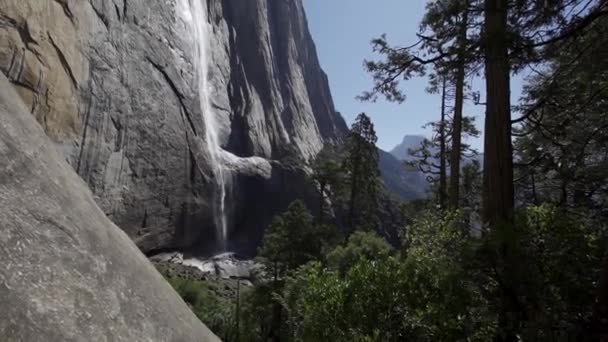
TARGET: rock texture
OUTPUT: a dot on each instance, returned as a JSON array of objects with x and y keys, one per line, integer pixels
[
  {"x": 114, "y": 85},
  {"x": 401, "y": 151},
  {"x": 67, "y": 272},
  {"x": 41, "y": 52}
]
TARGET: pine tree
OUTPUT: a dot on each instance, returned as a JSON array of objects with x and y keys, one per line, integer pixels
[
  {"x": 516, "y": 35},
  {"x": 328, "y": 177},
  {"x": 443, "y": 147},
  {"x": 432, "y": 157},
  {"x": 446, "y": 48},
  {"x": 561, "y": 146},
  {"x": 508, "y": 36},
  {"x": 425, "y": 157},
  {"x": 461, "y": 69},
  {"x": 563, "y": 136},
  {"x": 361, "y": 168},
  {"x": 290, "y": 241}
]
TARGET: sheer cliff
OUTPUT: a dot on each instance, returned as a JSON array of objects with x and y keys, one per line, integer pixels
[{"x": 114, "y": 84}]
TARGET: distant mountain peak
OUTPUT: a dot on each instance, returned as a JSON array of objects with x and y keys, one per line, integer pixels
[{"x": 409, "y": 141}]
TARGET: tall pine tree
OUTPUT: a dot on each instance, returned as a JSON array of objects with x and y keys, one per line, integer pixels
[{"x": 361, "y": 167}]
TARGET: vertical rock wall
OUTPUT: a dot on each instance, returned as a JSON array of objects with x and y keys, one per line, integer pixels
[{"x": 113, "y": 83}]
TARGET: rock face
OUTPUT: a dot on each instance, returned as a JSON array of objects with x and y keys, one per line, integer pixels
[
  {"x": 401, "y": 151},
  {"x": 67, "y": 272},
  {"x": 114, "y": 85}
]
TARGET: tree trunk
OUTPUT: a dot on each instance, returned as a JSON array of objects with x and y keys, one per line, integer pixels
[
  {"x": 354, "y": 190},
  {"x": 534, "y": 195},
  {"x": 238, "y": 310},
  {"x": 600, "y": 324},
  {"x": 498, "y": 193},
  {"x": 442, "y": 150},
  {"x": 458, "y": 108},
  {"x": 276, "y": 322},
  {"x": 275, "y": 330},
  {"x": 498, "y": 190},
  {"x": 351, "y": 208}
]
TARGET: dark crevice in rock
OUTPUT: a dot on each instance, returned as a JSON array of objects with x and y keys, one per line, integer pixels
[
  {"x": 124, "y": 10},
  {"x": 66, "y": 10},
  {"x": 36, "y": 99},
  {"x": 53, "y": 223},
  {"x": 117, "y": 11},
  {"x": 116, "y": 124},
  {"x": 101, "y": 17},
  {"x": 119, "y": 134},
  {"x": 218, "y": 107},
  {"x": 23, "y": 85},
  {"x": 64, "y": 62},
  {"x": 192, "y": 165},
  {"x": 21, "y": 67},
  {"x": 10, "y": 66},
  {"x": 24, "y": 33},
  {"x": 178, "y": 94},
  {"x": 144, "y": 223},
  {"x": 22, "y": 28},
  {"x": 8, "y": 22}
]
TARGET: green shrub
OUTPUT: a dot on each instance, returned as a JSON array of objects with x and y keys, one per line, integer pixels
[
  {"x": 216, "y": 312},
  {"x": 360, "y": 244}
]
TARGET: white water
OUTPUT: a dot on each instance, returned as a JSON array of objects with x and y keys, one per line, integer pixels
[
  {"x": 202, "y": 28},
  {"x": 225, "y": 265},
  {"x": 194, "y": 14}
]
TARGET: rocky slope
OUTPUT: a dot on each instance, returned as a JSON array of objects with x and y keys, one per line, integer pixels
[
  {"x": 67, "y": 272},
  {"x": 403, "y": 181},
  {"x": 114, "y": 84}
]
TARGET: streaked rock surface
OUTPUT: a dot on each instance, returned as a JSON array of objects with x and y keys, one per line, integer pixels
[
  {"x": 67, "y": 272},
  {"x": 114, "y": 84}
]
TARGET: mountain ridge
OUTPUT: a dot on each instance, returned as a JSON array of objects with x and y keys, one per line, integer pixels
[{"x": 409, "y": 141}]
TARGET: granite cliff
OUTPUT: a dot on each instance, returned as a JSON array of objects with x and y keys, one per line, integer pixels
[
  {"x": 116, "y": 86},
  {"x": 67, "y": 272}
]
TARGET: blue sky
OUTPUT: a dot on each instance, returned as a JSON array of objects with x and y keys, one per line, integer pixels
[{"x": 342, "y": 30}]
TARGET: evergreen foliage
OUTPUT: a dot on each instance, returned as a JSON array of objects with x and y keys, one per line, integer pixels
[
  {"x": 361, "y": 168},
  {"x": 520, "y": 252},
  {"x": 291, "y": 240},
  {"x": 360, "y": 244},
  {"x": 327, "y": 174}
]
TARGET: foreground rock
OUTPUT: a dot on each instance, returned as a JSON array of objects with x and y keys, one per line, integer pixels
[{"x": 68, "y": 273}]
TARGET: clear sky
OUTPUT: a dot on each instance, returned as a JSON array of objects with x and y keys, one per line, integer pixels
[{"x": 342, "y": 30}]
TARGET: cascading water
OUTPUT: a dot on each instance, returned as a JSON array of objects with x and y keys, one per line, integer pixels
[
  {"x": 202, "y": 28},
  {"x": 223, "y": 163}
]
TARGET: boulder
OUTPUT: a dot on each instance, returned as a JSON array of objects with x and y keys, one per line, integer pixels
[{"x": 67, "y": 272}]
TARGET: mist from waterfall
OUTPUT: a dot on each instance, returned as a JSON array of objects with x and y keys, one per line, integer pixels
[{"x": 203, "y": 29}]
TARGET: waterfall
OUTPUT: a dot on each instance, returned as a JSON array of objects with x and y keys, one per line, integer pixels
[
  {"x": 194, "y": 14},
  {"x": 203, "y": 29}
]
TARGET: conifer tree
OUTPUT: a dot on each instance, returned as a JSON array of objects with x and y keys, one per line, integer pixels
[
  {"x": 445, "y": 47},
  {"x": 328, "y": 177},
  {"x": 361, "y": 168},
  {"x": 290, "y": 241}
]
